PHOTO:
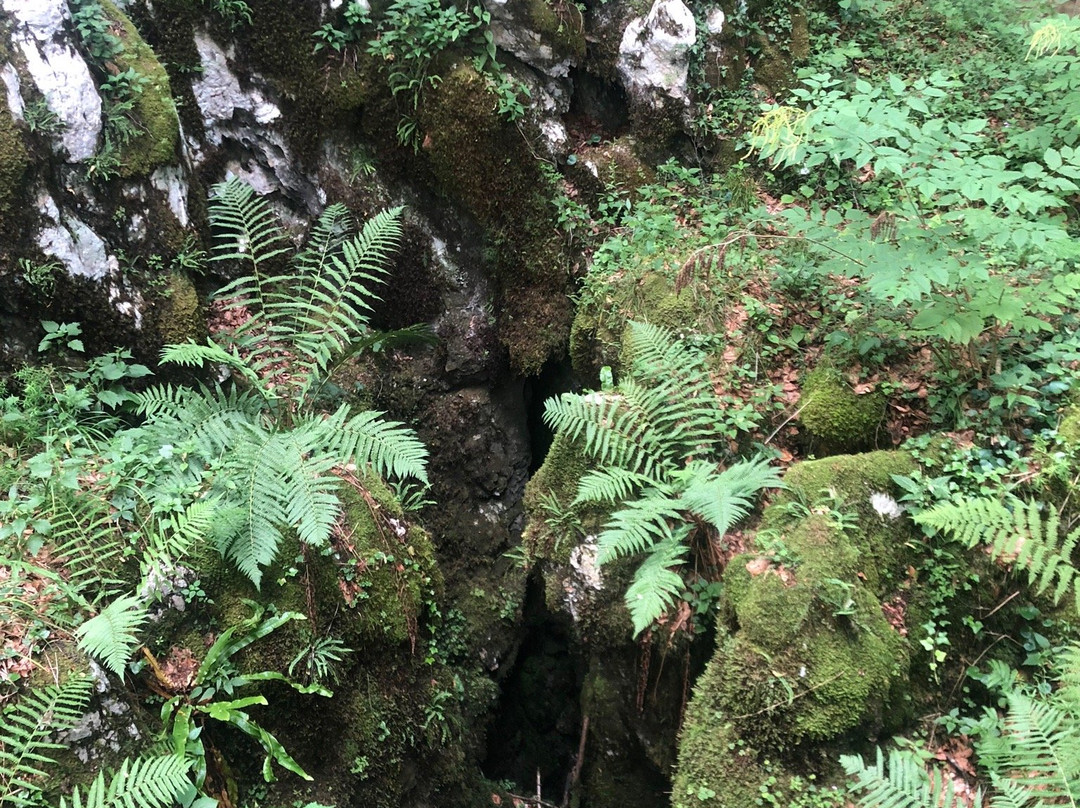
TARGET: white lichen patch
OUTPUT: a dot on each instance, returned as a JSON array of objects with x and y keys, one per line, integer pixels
[{"x": 585, "y": 578}]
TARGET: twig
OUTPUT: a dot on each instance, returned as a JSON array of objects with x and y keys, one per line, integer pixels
[
  {"x": 786, "y": 421},
  {"x": 575, "y": 773},
  {"x": 772, "y": 707},
  {"x": 533, "y": 800}
]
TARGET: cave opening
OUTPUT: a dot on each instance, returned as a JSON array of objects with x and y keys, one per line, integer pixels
[{"x": 535, "y": 732}]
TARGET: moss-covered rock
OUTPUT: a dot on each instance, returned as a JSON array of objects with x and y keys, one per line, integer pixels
[
  {"x": 871, "y": 545},
  {"x": 155, "y": 145},
  {"x": 805, "y": 655},
  {"x": 482, "y": 161},
  {"x": 14, "y": 160},
  {"x": 598, "y": 333},
  {"x": 177, "y": 315},
  {"x": 834, "y": 416}
]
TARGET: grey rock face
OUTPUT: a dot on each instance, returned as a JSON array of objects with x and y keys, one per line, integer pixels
[
  {"x": 59, "y": 72},
  {"x": 654, "y": 55}
]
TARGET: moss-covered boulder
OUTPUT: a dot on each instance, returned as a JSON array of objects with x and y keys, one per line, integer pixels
[
  {"x": 835, "y": 417},
  {"x": 155, "y": 144},
  {"x": 805, "y": 655}
]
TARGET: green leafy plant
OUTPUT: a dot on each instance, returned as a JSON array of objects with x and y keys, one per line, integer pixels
[
  {"x": 1030, "y": 755},
  {"x": 652, "y": 438},
  {"x": 27, "y": 735},
  {"x": 209, "y": 696},
  {"x": 277, "y": 452},
  {"x": 1027, "y": 534},
  {"x": 153, "y": 782}
]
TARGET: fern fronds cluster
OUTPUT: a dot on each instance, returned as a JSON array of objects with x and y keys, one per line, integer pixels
[
  {"x": 273, "y": 457},
  {"x": 904, "y": 783},
  {"x": 1031, "y": 760},
  {"x": 110, "y": 636},
  {"x": 653, "y": 438},
  {"x": 313, "y": 310},
  {"x": 1028, "y": 534}
]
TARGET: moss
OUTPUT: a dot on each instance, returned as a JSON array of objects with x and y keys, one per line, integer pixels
[
  {"x": 597, "y": 337},
  {"x": 155, "y": 145},
  {"x": 716, "y": 768},
  {"x": 558, "y": 477},
  {"x": 14, "y": 161},
  {"x": 1069, "y": 428},
  {"x": 871, "y": 547},
  {"x": 560, "y": 25},
  {"x": 834, "y": 416},
  {"x": 481, "y": 160},
  {"x": 769, "y": 610},
  {"x": 178, "y": 317},
  {"x": 611, "y": 166}
]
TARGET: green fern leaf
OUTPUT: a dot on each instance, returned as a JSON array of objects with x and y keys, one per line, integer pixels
[
  {"x": 1018, "y": 532},
  {"x": 612, "y": 485},
  {"x": 110, "y": 636},
  {"x": 1039, "y": 750},
  {"x": 722, "y": 499},
  {"x": 366, "y": 439},
  {"x": 155, "y": 782},
  {"x": 655, "y": 586},
  {"x": 251, "y": 234},
  {"x": 26, "y": 730},
  {"x": 906, "y": 784},
  {"x": 638, "y": 525}
]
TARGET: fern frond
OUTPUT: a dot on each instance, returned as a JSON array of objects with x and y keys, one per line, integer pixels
[
  {"x": 250, "y": 234},
  {"x": 655, "y": 586},
  {"x": 333, "y": 305},
  {"x": 615, "y": 429},
  {"x": 725, "y": 498},
  {"x": 660, "y": 360},
  {"x": 110, "y": 636},
  {"x": 310, "y": 494},
  {"x": 1039, "y": 749},
  {"x": 26, "y": 728},
  {"x": 333, "y": 227},
  {"x": 906, "y": 784},
  {"x": 366, "y": 439},
  {"x": 1017, "y": 532},
  {"x": 86, "y": 542},
  {"x": 190, "y": 354},
  {"x": 177, "y": 534},
  {"x": 638, "y": 525},
  {"x": 261, "y": 465},
  {"x": 210, "y": 419},
  {"x": 612, "y": 485},
  {"x": 154, "y": 782}
]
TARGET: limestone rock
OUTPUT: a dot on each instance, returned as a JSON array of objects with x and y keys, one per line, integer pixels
[
  {"x": 654, "y": 56},
  {"x": 219, "y": 95},
  {"x": 546, "y": 36},
  {"x": 59, "y": 72}
]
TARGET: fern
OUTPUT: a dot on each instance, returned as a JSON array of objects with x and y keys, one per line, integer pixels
[
  {"x": 651, "y": 438},
  {"x": 1038, "y": 751},
  {"x": 275, "y": 459},
  {"x": 153, "y": 782},
  {"x": 905, "y": 783},
  {"x": 251, "y": 233},
  {"x": 85, "y": 540},
  {"x": 110, "y": 636},
  {"x": 26, "y": 730},
  {"x": 1018, "y": 531},
  {"x": 1031, "y": 759}
]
